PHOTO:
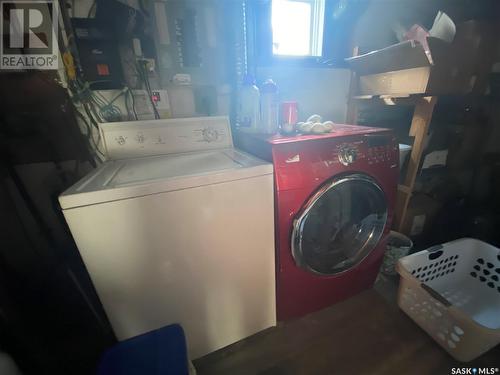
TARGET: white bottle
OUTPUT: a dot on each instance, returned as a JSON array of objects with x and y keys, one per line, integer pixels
[
  {"x": 249, "y": 112},
  {"x": 269, "y": 107}
]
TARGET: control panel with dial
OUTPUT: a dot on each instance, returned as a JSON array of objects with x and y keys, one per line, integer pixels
[
  {"x": 210, "y": 134},
  {"x": 347, "y": 154},
  {"x": 142, "y": 138},
  {"x": 379, "y": 150}
]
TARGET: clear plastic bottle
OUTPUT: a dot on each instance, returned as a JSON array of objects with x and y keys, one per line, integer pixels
[
  {"x": 249, "y": 112},
  {"x": 269, "y": 107}
]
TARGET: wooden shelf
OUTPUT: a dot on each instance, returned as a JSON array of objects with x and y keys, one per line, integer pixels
[
  {"x": 422, "y": 115},
  {"x": 402, "y": 99}
]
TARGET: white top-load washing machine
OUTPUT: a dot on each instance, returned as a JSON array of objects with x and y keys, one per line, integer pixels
[{"x": 178, "y": 227}]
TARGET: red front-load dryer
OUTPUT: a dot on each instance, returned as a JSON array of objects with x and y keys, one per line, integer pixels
[{"x": 335, "y": 195}]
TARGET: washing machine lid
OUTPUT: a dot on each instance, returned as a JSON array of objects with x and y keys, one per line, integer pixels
[
  {"x": 339, "y": 225},
  {"x": 128, "y": 178}
]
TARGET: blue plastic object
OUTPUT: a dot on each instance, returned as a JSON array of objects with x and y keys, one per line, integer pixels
[{"x": 162, "y": 351}]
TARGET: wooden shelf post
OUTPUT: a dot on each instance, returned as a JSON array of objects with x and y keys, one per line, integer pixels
[{"x": 422, "y": 116}]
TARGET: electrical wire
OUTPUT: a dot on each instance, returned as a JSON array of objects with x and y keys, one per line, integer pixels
[
  {"x": 96, "y": 125},
  {"x": 90, "y": 116},
  {"x": 133, "y": 103},
  {"x": 108, "y": 111},
  {"x": 90, "y": 136},
  {"x": 103, "y": 109},
  {"x": 129, "y": 93},
  {"x": 82, "y": 94},
  {"x": 141, "y": 68},
  {"x": 145, "y": 79},
  {"x": 129, "y": 115}
]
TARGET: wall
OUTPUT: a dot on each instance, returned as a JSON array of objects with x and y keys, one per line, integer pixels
[
  {"x": 322, "y": 91},
  {"x": 207, "y": 39},
  {"x": 317, "y": 91},
  {"x": 375, "y": 27}
]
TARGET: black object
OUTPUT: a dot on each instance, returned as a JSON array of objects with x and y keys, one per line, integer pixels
[
  {"x": 123, "y": 20},
  {"x": 37, "y": 124},
  {"x": 377, "y": 140},
  {"x": 98, "y": 54},
  {"x": 125, "y": 23}
]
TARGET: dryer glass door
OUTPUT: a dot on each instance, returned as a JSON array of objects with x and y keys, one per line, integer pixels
[{"x": 340, "y": 225}]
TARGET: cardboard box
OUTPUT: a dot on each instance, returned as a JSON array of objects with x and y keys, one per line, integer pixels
[{"x": 445, "y": 68}]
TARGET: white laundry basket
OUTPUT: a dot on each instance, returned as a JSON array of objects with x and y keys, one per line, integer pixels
[{"x": 453, "y": 292}]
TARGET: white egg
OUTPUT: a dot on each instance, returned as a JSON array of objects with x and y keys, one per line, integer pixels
[
  {"x": 314, "y": 118},
  {"x": 306, "y": 127},
  {"x": 328, "y": 125},
  {"x": 318, "y": 128}
]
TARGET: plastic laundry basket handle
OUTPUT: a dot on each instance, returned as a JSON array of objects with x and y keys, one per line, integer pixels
[
  {"x": 435, "y": 252},
  {"x": 435, "y": 295}
]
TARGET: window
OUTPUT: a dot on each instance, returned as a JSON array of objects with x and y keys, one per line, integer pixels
[
  {"x": 305, "y": 33},
  {"x": 298, "y": 27}
]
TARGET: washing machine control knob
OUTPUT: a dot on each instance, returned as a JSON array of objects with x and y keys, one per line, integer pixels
[
  {"x": 347, "y": 155},
  {"x": 210, "y": 135}
]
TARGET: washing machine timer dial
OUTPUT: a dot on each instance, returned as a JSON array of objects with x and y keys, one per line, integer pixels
[
  {"x": 347, "y": 155},
  {"x": 210, "y": 135}
]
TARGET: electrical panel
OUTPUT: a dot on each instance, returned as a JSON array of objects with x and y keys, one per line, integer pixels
[{"x": 188, "y": 34}]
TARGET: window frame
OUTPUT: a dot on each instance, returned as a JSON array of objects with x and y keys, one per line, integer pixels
[{"x": 317, "y": 26}]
